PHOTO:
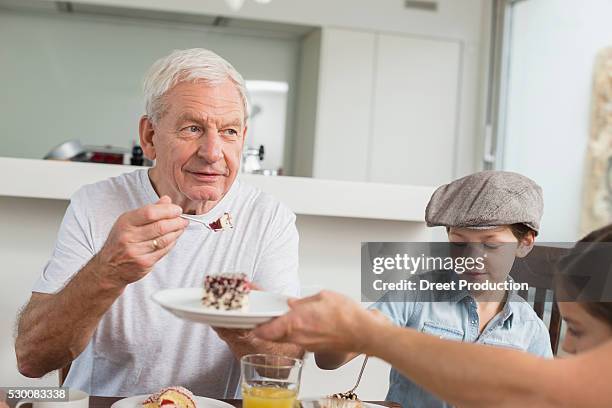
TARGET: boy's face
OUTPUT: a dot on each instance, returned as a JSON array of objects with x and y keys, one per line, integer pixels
[{"x": 497, "y": 247}]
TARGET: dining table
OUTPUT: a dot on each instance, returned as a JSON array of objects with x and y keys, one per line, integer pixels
[{"x": 106, "y": 402}]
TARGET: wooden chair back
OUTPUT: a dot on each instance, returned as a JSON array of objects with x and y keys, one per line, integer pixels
[
  {"x": 63, "y": 373},
  {"x": 537, "y": 269}
]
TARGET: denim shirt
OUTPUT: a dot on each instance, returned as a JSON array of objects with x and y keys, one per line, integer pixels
[{"x": 454, "y": 316}]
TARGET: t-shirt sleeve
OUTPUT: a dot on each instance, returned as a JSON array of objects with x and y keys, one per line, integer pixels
[
  {"x": 400, "y": 313},
  {"x": 540, "y": 341},
  {"x": 276, "y": 269},
  {"x": 73, "y": 249}
]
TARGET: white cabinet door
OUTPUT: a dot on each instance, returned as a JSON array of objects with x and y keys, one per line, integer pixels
[
  {"x": 416, "y": 96},
  {"x": 344, "y": 104}
]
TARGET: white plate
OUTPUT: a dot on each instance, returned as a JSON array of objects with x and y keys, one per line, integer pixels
[
  {"x": 201, "y": 402},
  {"x": 186, "y": 303},
  {"x": 311, "y": 402},
  {"x": 364, "y": 404}
]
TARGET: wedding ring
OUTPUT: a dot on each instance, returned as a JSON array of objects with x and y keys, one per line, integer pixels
[{"x": 155, "y": 245}]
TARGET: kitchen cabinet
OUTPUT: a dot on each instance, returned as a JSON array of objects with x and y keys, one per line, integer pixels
[
  {"x": 415, "y": 102},
  {"x": 344, "y": 104},
  {"x": 386, "y": 109}
]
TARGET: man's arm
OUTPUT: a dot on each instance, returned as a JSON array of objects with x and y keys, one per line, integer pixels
[{"x": 54, "y": 329}]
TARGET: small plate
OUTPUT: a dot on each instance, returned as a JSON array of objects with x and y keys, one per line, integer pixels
[
  {"x": 201, "y": 402},
  {"x": 186, "y": 303}
]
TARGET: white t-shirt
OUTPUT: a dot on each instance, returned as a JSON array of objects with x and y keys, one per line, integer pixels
[{"x": 138, "y": 347}]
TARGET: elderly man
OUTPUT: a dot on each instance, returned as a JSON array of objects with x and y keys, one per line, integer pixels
[{"x": 122, "y": 239}]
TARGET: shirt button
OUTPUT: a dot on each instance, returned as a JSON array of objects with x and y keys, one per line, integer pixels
[{"x": 473, "y": 321}]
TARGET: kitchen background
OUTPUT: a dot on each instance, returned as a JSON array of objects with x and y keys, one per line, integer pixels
[{"x": 369, "y": 104}]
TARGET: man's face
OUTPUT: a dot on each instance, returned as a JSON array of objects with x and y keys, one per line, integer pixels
[
  {"x": 497, "y": 247},
  {"x": 197, "y": 142}
]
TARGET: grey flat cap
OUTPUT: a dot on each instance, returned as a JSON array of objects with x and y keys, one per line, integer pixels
[{"x": 486, "y": 199}]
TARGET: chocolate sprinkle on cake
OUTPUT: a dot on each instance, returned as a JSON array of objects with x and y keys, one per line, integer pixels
[
  {"x": 228, "y": 291},
  {"x": 345, "y": 396}
]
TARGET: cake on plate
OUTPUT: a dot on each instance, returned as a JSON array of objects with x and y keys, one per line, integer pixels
[
  {"x": 170, "y": 397},
  {"x": 341, "y": 400},
  {"x": 226, "y": 291}
]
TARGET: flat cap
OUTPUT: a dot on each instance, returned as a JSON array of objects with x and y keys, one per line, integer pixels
[{"x": 486, "y": 199}]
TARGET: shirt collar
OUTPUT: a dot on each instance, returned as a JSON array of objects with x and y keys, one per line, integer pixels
[
  {"x": 507, "y": 313},
  {"x": 457, "y": 295},
  {"x": 510, "y": 306}
]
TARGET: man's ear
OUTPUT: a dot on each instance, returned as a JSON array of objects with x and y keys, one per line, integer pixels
[
  {"x": 147, "y": 132},
  {"x": 525, "y": 245}
]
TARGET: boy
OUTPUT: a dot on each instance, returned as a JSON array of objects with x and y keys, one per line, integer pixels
[{"x": 499, "y": 214}]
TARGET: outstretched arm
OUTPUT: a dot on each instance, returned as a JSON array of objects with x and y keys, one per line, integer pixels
[{"x": 466, "y": 375}]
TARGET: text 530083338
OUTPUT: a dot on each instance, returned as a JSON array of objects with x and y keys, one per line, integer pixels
[{"x": 36, "y": 393}]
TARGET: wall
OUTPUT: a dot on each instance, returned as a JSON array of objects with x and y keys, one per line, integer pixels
[
  {"x": 460, "y": 21},
  {"x": 306, "y": 105},
  {"x": 553, "y": 48},
  {"x": 329, "y": 258},
  {"x": 29, "y": 229},
  {"x": 81, "y": 76}
]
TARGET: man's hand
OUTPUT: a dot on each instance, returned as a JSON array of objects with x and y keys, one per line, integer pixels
[
  {"x": 243, "y": 342},
  {"x": 238, "y": 340},
  {"x": 138, "y": 240},
  {"x": 324, "y": 322}
]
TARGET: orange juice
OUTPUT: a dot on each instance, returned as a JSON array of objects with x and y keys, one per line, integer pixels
[{"x": 267, "y": 397}]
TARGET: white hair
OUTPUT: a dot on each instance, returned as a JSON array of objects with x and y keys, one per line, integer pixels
[{"x": 195, "y": 64}]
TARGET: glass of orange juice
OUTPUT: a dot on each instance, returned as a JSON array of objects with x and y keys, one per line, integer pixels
[{"x": 270, "y": 381}]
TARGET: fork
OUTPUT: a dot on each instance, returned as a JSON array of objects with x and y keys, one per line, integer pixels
[
  {"x": 195, "y": 220},
  {"x": 350, "y": 394}
]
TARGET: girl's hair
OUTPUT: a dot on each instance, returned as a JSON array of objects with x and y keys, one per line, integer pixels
[{"x": 588, "y": 266}]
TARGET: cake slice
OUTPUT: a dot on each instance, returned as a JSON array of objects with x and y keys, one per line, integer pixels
[
  {"x": 227, "y": 291},
  {"x": 170, "y": 397},
  {"x": 342, "y": 400}
]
